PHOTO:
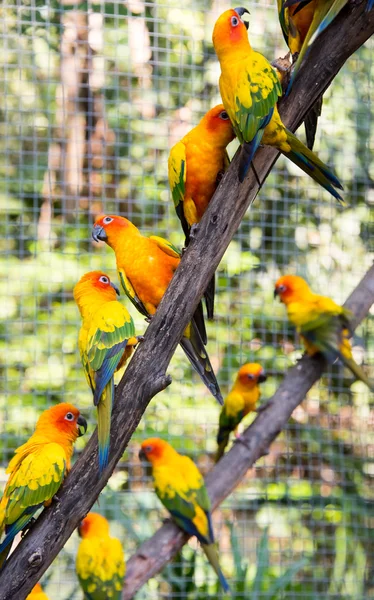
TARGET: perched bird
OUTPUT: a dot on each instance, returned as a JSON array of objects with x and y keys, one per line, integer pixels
[
  {"x": 241, "y": 400},
  {"x": 100, "y": 563},
  {"x": 106, "y": 340},
  {"x": 180, "y": 487},
  {"x": 196, "y": 165},
  {"x": 250, "y": 89},
  {"x": 145, "y": 267},
  {"x": 295, "y": 22},
  {"x": 37, "y": 593},
  {"x": 322, "y": 324},
  {"x": 302, "y": 22},
  {"x": 38, "y": 469}
]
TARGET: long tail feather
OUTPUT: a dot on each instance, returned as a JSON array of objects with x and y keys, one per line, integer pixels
[
  {"x": 223, "y": 437},
  {"x": 209, "y": 297},
  {"x": 370, "y": 5},
  {"x": 211, "y": 554},
  {"x": 328, "y": 18},
  {"x": 194, "y": 349},
  {"x": 104, "y": 414},
  {"x": 357, "y": 371},
  {"x": 311, "y": 122},
  {"x": 313, "y": 166},
  {"x": 11, "y": 532}
]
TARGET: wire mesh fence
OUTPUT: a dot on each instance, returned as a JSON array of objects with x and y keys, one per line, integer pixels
[{"x": 93, "y": 97}]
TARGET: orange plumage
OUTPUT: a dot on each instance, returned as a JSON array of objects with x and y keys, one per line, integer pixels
[{"x": 145, "y": 267}]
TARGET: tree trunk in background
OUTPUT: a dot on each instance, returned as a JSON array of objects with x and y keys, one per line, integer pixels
[{"x": 80, "y": 164}]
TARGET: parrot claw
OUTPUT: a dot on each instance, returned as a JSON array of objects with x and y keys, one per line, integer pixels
[
  {"x": 148, "y": 319},
  {"x": 241, "y": 440},
  {"x": 140, "y": 338},
  {"x": 194, "y": 230},
  {"x": 56, "y": 499}
]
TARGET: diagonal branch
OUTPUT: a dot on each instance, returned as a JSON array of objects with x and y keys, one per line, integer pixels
[
  {"x": 156, "y": 552},
  {"x": 145, "y": 375}
]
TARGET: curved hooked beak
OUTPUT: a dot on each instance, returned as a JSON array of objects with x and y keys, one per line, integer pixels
[
  {"x": 99, "y": 233},
  {"x": 142, "y": 455},
  {"x": 82, "y": 425},
  {"x": 262, "y": 377},
  {"x": 240, "y": 11},
  {"x": 276, "y": 293},
  {"x": 114, "y": 287}
]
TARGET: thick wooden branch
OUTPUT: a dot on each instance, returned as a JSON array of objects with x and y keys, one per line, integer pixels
[
  {"x": 156, "y": 552},
  {"x": 145, "y": 375}
]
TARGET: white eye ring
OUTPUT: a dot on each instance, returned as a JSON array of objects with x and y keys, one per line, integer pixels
[
  {"x": 223, "y": 115},
  {"x": 234, "y": 21},
  {"x": 107, "y": 220},
  {"x": 104, "y": 279},
  {"x": 69, "y": 416},
  {"x": 281, "y": 288},
  {"x": 250, "y": 376}
]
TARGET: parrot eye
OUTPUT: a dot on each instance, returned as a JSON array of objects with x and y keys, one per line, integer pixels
[
  {"x": 223, "y": 115},
  {"x": 281, "y": 288},
  {"x": 148, "y": 449},
  {"x": 251, "y": 376},
  {"x": 104, "y": 279},
  {"x": 234, "y": 21},
  {"x": 69, "y": 416},
  {"x": 107, "y": 220}
]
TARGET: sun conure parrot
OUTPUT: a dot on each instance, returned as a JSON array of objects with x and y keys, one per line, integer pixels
[
  {"x": 322, "y": 324},
  {"x": 37, "y": 469},
  {"x": 250, "y": 89},
  {"x": 180, "y": 487},
  {"x": 106, "y": 340},
  {"x": 196, "y": 166},
  {"x": 37, "y": 593},
  {"x": 302, "y": 22},
  {"x": 295, "y": 22},
  {"x": 241, "y": 400},
  {"x": 100, "y": 563},
  {"x": 145, "y": 267}
]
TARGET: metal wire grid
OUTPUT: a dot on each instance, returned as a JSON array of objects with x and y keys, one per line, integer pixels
[{"x": 146, "y": 73}]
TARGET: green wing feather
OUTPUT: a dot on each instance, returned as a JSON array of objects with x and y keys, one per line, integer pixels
[
  {"x": 36, "y": 480},
  {"x": 166, "y": 246},
  {"x": 131, "y": 294}
]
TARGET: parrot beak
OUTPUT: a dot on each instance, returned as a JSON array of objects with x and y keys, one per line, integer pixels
[
  {"x": 82, "y": 425},
  {"x": 99, "y": 233},
  {"x": 142, "y": 455},
  {"x": 276, "y": 293},
  {"x": 115, "y": 287},
  {"x": 240, "y": 11},
  {"x": 262, "y": 377},
  {"x": 79, "y": 529}
]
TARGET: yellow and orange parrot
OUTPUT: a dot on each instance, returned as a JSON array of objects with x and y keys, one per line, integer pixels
[
  {"x": 100, "y": 563},
  {"x": 250, "y": 89},
  {"x": 38, "y": 469},
  {"x": 196, "y": 166},
  {"x": 37, "y": 593},
  {"x": 145, "y": 267},
  {"x": 322, "y": 324},
  {"x": 180, "y": 487},
  {"x": 241, "y": 400},
  {"x": 106, "y": 340}
]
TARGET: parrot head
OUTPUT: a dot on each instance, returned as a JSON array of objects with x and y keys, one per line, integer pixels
[
  {"x": 291, "y": 288},
  {"x": 230, "y": 31},
  {"x": 154, "y": 450},
  {"x": 93, "y": 525},
  {"x": 111, "y": 228},
  {"x": 218, "y": 124},
  {"x": 94, "y": 285},
  {"x": 251, "y": 374},
  {"x": 62, "y": 421}
]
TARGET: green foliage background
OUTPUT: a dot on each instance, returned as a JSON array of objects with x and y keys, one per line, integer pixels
[{"x": 300, "y": 524}]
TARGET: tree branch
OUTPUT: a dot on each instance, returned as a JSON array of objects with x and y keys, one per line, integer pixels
[
  {"x": 350, "y": 30},
  {"x": 156, "y": 552}
]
